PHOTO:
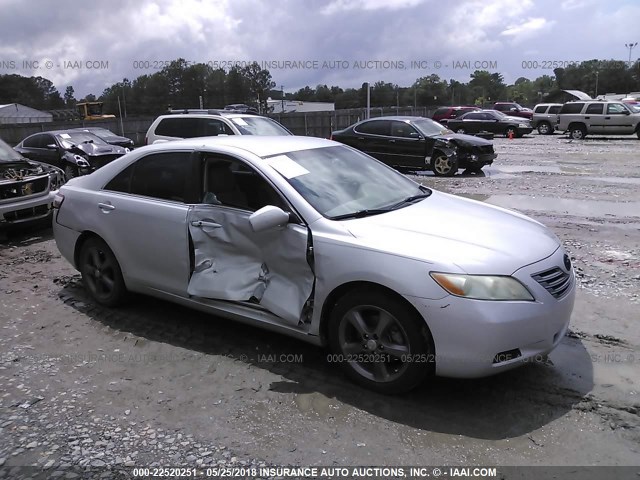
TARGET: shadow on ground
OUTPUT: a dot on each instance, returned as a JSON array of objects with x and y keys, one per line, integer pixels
[{"x": 504, "y": 406}]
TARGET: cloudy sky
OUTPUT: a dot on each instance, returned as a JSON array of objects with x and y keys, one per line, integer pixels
[{"x": 91, "y": 45}]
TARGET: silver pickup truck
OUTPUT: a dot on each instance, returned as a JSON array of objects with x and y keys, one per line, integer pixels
[{"x": 598, "y": 117}]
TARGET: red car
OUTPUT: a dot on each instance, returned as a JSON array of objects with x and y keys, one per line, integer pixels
[
  {"x": 444, "y": 114},
  {"x": 513, "y": 109}
]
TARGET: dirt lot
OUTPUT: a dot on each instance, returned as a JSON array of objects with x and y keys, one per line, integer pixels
[{"x": 157, "y": 384}]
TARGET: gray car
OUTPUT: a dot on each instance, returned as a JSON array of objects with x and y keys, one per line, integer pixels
[
  {"x": 320, "y": 241},
  {"x": 545, "y": 117}
]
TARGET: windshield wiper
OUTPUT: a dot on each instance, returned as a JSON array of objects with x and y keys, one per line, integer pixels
[
  {"x": 361, "y": 213},
  {"x": 409, "y": 200}
]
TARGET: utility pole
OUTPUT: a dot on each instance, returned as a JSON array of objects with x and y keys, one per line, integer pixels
[
  {"x": 368, "y": 100},
  {"x": 596, "y": 93},
  {"x": 282, "y": 95}
]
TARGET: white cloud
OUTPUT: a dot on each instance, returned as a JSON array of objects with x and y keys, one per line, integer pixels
[
  {"x": 526, "y": 28},
  {"x": 337, "y": 6}
]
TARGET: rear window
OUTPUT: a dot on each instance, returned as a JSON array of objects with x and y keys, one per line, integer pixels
[
  {"x": 575, "y": 107},
  {"x": 374, "y": 127},
  {"x": 595, "y": 108}
]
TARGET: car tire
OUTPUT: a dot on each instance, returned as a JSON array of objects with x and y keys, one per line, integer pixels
[
  {"x": 101, "y": 273},
  {"x": 444, "y": 166},
  {"x": 71, "y": 171},
  {"x": 577, "y": 132},
  {"x": 544, "y": 128},
  {"x": 511, "y": 130},
  {"x": 381, "y": 343}
]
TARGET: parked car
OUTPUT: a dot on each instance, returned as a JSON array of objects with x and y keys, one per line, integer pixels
[
  {"x": 27, "y": 188},
  {"x": 241, "y": 108},
  {"x": 513, "y": 109},
  {"x": 190, "y": 125},
  {"x": 315, "y": 239},
  {"x": 109, "y": 137},
  {"x": 545, "y": 117},
  {"x": 490, "y": 121},
  {"x": 599, "y": 117},
  {"x": 444, "y": 114},
  {"x": 76, "y": 152},
  {"x": 417, "y": 143}
]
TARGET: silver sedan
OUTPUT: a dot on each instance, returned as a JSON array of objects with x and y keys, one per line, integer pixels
[{"x": 319, "y": 241}]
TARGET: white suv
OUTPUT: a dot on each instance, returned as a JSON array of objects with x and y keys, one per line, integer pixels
[
  {"x": 598, "y": 117},
  {"x": 210, "y": 123}
]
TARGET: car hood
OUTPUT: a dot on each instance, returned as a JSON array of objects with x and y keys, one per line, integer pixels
[
  {"x": 463, "y": 139},
  {"x": 94, "y": 149},
  {"x": 457, "y": 232},
  {"x": 23, "y": 168},
  {"x": 116, "y": 138}
]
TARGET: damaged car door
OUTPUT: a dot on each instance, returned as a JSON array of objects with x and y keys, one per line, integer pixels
[{"x": 240, "y": 260}]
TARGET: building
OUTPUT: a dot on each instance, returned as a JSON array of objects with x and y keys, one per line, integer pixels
[
  {"x": 16, "y": 113},
  {"x": 288, "y": 106}
]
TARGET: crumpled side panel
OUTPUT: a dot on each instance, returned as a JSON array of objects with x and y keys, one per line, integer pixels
[{"x": 232, "y": 262}]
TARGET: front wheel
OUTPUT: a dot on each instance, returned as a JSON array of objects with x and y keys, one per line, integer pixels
[
  {"x": 444, "y": 166},
  {"x": 380, "y": 343},
  {"x": 544, "y": 128},
  {"x": 71, "y": 171},
  {"x": 101, "y": 273}
]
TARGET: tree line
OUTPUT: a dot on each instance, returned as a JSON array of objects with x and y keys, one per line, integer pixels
[{"x": 184, "y": 85}]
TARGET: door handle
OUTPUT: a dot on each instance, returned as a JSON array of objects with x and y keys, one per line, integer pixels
[
  {"x": 106, "y": 207},
  {"x": 607, "y": 118},
  {"x": 587, "y": 118},
  {"x": 392, "y": 141},
  {"x": 204, "y": 223}
]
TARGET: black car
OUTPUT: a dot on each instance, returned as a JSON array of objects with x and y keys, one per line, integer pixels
[
  {"x": 75, "y": 152},
  {"x": 490, "y": 121},
  {"x": 108, "y": 136},
  {"x": 417, "y": 143}
]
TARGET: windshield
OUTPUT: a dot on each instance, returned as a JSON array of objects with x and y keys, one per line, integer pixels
[
  {"x": 68, "y": 140},
  {"x": 429, "y": 127},
  {"x": 8, "y": 154},
  {"x": 338, "y": 180},
  {"x": 259, "y": 126}
]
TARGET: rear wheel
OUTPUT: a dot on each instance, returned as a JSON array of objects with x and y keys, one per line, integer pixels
[
  {"x": 577, "y": 132},
  {"x": 444, "y": 166},
  {"x": 380, "y": 342},
  {"x": 101, "y": 273},
  {"x": 544, "y": 128}
]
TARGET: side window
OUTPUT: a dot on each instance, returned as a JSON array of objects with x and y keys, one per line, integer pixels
[
  {"x": 232, "y": 183},
  {"x": 162, "y": 175},
  {"x": 616, "y": 109},
  {"x": 33, "y": 141},
  {"x": 540, "y": 109},
  {"x": 181, "y": 127},
  {"x": 595, "y": 108},
  {"x": 440, "y": 111},
  {"x": 502, "y": 107},
  {"x": 122, "y": 181},
  {"x": 473, "y": 116},
  {"x": 375, "y": 127},
  {"x": 403, "y": 129},
  {"x": 572, "y": 107},
  {"x": 211, "y": 127},
  {"x": 554, "y": 109}
]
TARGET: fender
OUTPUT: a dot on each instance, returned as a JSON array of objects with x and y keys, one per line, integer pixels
[
  {"x": 76, "y": 160},
  {"x": 448, "y": 148}
]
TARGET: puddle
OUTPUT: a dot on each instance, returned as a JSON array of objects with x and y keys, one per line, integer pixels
[{"x": 569, "y": 206}]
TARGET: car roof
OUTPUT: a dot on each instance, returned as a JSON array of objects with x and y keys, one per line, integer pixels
[
  {"x": 221, "y": 113},
  {"x": 402, "y": 118},
  {"x": 262, "y": 146}
]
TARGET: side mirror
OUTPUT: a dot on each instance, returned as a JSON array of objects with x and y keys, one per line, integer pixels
[{"x": 268, "y": 217}]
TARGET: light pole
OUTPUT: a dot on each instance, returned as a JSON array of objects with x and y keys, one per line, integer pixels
[
  {"x": 630, "y": 46},
  {"x": 597, "y": 73},
  {"x": 282, "y": 95}
]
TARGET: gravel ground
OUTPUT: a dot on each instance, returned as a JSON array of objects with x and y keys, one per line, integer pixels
[{"x": 88, "y": 392}]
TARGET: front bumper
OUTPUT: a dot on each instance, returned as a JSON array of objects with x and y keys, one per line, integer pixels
[
  {"x": 525, "y": 130},
  {"x": 22, "y": 211},
  {"x": 477, "y": 338},
  {"x": 466, "y": 160}
]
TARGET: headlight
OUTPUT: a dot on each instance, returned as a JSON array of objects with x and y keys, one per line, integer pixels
[
  {"x": 523, "y": 125},
  {"x": 81, "y": 162},
  {"x": 482, "y": 287}
]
